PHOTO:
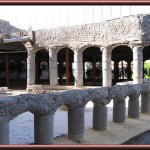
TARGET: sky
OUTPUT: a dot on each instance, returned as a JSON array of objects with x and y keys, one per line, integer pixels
[{"x": 52, "y": 16}]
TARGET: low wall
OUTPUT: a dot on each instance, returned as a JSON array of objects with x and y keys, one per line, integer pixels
[
  {"x": 140, "y": 139},
  {"x": 44, "y": 106}
]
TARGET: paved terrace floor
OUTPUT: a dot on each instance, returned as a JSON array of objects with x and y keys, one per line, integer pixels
[{"x": 22, "y": 127}]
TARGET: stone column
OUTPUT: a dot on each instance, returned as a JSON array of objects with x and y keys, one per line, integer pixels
[
  {"x": 43, "y": 129},
  {"x": 99, "y": 117},
  {"x": 119, "y": 111},
  {"x": 31, "y": 67},
  {"x": 145, "y": 103},
  {"x": 106, "y": 67},
  {"x": 53, "y": 67},
  {"x": 138, "y": 64},
  {"x": 133, "y": 106},
  {"x": 76, "y": 124},
  {"x": 4, "y": 132},
  {"x": 78, "y": 68}
]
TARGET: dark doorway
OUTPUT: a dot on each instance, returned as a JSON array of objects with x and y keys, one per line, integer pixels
[
  {"x": 92, "y": 66},
  {"x": 65, "y": 59},
  {"x": 13, "y": 65},
  {"x": 42, "y": 67},
  {"x": 122, "y": 58}
]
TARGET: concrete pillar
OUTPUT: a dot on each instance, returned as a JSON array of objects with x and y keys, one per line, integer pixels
[
  {"x": 4, "y": 132},
  {"x": 99, "y": 117},
  {"x": 78, "y": 68},
  {"x": 133, "y": 106},
  {"x": 106, "y": 67},
  {"x": 76, "y": 124},
  {"x": 119, "y": 111},
  {"x": 145, "y": 103},
  {"x": 31, "y": 68},
  {"x": 43, "y": 129},
  {"x": 53, "y": 67},
  {"x": 138, "y": 64}
]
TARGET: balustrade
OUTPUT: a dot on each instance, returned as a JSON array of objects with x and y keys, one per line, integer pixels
[{"x": 44, "y": 106}]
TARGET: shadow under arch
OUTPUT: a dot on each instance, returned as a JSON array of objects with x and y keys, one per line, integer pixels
[
  {"x": 124, "y": 55},
  {"x": 65, "y": 59},
  {"x": 42, "y": 67},
  {"x": 92, "y": 66},
  {"x": 22, "y": 129},
  {"x": 17, "y": 52}
]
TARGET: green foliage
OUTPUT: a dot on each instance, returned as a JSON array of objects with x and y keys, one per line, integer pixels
[{"x": 146, "y": 70}]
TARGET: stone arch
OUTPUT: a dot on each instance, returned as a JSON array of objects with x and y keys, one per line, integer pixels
[
  {"x": 27, "y": 131},
  {"x": 87, "y": 45},
  {"x": 92, "y": 74},
  {"x": 122, "y": 53},
  {"x": 42, "y": 67},
  {"x": 65, "y": 59},
  {"x": 120, "y": 45},
  {"x": 70, "y": 47}
]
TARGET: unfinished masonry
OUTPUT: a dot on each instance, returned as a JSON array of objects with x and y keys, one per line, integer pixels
[
  {"x": 124, "y": 39},
  {"x": 115, "y": 49},
  {"x": 44, "y": 106},
  {"x": 46, "y": 59}
]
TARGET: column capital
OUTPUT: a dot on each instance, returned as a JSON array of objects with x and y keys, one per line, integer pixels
[
  {"x": 78, "y": 52},
  {"x": 52, "y": 51},
  {"x": 106, "y": 49},
  {"x": 136, "y": 45},
  {"x": 138, "y": 52}
]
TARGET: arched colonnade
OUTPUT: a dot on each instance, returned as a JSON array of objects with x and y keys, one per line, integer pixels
[{"x": 88, "y": 65}]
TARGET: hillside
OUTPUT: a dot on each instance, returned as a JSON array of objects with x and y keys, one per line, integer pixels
[{"x": 9, "y": 31}]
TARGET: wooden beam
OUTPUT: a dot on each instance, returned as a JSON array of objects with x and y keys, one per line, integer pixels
[
  {"x": 7, "y": 70},
  {"x": 37, "y": 71},
  {"x": 67, "y": 66},
  {"x": 122, "y": 69},
  {"x": 129, "y": 70},
  {"x": 115, "y": 71},
  {"x": 83, "y": 72},
  {"x": 60, "y": 77},
  {"x": 94, "y": 69}
]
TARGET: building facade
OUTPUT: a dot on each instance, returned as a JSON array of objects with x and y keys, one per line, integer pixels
[{"x": 99, "y": 54}]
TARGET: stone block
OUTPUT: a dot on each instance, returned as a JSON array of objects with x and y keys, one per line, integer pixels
[
  {"x": 106, "y": 65},
  {"x": 137, "y": 73},
  {"x": 78, "y": 58},
  {"x": 30, "y": 81},
  {"x": 77, "y": 65},
  {"x": 78, "y": 82},
  {"x": 52, "y": 64}
]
